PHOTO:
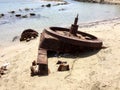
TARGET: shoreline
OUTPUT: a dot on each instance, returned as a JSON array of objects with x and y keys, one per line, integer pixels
[
  {"x": 91, "y": 70},
  {"x": 114, "y": 2},
  {"x": 81, "y": 25},
  {"x": 89, "y": 24}
]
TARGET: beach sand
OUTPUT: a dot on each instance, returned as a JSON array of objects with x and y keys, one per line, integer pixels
[{"x": 97, "y": 70}]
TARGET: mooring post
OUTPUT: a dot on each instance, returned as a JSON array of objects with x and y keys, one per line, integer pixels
[{"x": 74, "y": 27}]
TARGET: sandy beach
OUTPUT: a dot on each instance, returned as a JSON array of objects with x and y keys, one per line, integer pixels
[{"x": 97, "y": 70}]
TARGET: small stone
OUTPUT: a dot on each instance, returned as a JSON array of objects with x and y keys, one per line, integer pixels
[
  {"x": 2, "y": 71},
  {"x": 12, "y": 12},
  {"x": 32, "y": 14},
  {"x": 20, "y": 10},
  {"x": 27, "y": 9},
  {"x": 1, "y": 15},
  {"x": 48, "y": 5},
  {"x": 25, "y": 16},
  {"x": 61, "y": 9},
  {"x": 18, "y": 15},
  {"x": 42, "y": 5}
]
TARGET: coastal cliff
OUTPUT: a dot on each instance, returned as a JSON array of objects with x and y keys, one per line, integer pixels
[{"x": 117, "y": 2}]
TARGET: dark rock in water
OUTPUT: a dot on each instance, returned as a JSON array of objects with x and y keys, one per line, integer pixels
[
  {"x": 28, "y": 35},
  {"x": 20, "y": 10},
  {"x": 18, "y": 15},
  {"x": 12, "y": 12},
  {"x": 62, "y": 9},
  {"x": 63, "y": 67},
  {"x": 32, "y": 14},
  {"x": 42, "y": 5},
  {"x": 48, "y": 5},
  {"x": 2, "y": 15},
  {"x": 63, "y": 3},
  {"x": 24, "y": 16},
  {"x": 27, "y": 9},
  {"x": 92, "y": 1}
]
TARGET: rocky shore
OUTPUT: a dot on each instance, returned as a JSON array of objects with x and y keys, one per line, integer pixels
[{"x": 116, "y": 2}]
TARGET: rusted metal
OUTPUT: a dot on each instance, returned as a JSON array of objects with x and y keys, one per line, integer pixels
[
  {"x": 64, "y": 40},
  {"x": 63, "y": 67},
  {"x": 74, "y": 27},
  {"x": 42, "y": 62}
]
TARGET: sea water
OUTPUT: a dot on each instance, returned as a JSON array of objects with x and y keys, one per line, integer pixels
[{"x": 56, "y": 15}]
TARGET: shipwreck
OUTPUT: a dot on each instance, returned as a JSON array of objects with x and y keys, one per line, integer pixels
[{"x": 66, "y": 40}]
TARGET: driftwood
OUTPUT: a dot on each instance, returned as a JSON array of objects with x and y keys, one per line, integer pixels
[{"x": 28, "y": 35}]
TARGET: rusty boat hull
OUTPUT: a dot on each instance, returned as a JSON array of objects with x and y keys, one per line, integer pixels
[
  {"x": 58, "y": 39},
  {"x": 64, "y": 40}
]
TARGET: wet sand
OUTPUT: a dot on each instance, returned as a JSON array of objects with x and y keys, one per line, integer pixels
[{"x": 97, "y": 70}]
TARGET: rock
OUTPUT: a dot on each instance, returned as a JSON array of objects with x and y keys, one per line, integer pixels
[
  {"x": 28, "y": 35},
  {"x": 20, "y": 10},
  {"x": 2, "y": 71},
  {"x": 12, "y": 12},
  {"x": 63, "y": 3},
  {"x": 63, "y": 67},
  {"x": 18, "y": 15},
  {"x": 24, "y": 16},
  {"x": 5, "y": 66},
  {"x": 48, "y": 5},
  {"x": 62, "y": 9},
  {"x": 27, "y": 9},
  {"x": 32, "y": 14},
  {"x": 42, "y": 5},
  {"x": 2, "y": 15}
]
